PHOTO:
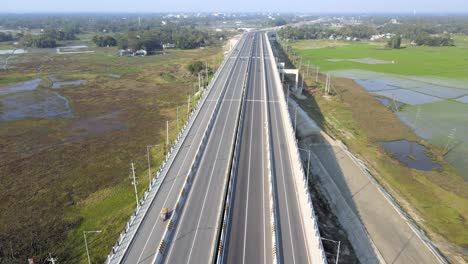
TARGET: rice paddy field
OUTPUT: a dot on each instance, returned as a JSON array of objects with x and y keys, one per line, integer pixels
[
  {"x": 431, "y": 84},
  {"x": 415, "y": 96},
  {"x": 70, "y": 125}
]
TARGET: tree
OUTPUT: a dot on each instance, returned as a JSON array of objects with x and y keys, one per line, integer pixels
[
  {"x": 394, "y": 42},
  {"x": 104, "y": 41},
  {"x": 196, "y": 67}
]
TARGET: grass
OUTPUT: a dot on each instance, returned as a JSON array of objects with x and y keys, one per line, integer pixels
[
  {"x": 438, "y": 199},
  {"x": 67, "y": 176},
  {"x": 448, "y": 62}
]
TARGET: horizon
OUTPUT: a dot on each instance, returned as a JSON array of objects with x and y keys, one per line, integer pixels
[{"x": 240, "y": 6}]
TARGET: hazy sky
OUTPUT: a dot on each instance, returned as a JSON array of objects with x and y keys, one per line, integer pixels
[{"x": 145, "y": 6}]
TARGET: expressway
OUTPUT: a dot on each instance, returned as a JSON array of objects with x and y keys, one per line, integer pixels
[
  {"x": 293, "y": 247},
  {"x": 250, "y": 227},
  {"x": 144, "y": 244},
  {"x": 195, "y": 234}
]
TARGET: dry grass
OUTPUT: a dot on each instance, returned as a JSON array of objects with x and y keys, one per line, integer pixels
[{"x": 59, "y": 177}]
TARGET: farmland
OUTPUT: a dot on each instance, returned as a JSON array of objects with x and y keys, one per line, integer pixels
[
  {"x": 62, "y": 174},
  {"x": 442, "y": 62},
  {"x": 426, "y": 84}
]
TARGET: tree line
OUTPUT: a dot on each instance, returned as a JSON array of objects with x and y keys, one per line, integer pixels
[
  {"x": 154, "y": 39},
  {"x": 417, "y": 35}
]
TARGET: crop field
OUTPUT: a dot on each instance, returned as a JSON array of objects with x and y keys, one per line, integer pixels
[
  {"x": 446, "y": 62},
  {"x": 436, "y": 199},
  {"x": 419, "y": 78},
  {"x": 68, "y": 136}
]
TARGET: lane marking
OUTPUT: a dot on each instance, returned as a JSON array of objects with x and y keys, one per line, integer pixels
[
  {"x": 190, "y": 196},
  {"x": 284, "y": 184},
  {"x": 217, "y": 93}
]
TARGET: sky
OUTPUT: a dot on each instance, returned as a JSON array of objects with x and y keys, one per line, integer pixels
[{"x": 312, "y": 6}]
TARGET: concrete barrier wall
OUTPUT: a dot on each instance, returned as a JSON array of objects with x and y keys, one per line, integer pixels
[
  {"x": 273, "y": 207},
  {"x": 118, "y": 251},
  {"x": 308, "y": 214}
]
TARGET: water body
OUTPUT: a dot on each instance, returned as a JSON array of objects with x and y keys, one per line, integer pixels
[
  {"x": 57, "y": 85},
  {"x": 34, "y": 104},
  {"x": 412, "y": 154},
  {"x": 388, "y": 102},
  {"x": 20, "y": 87},
  {"x": 463, "y": 99},
  {"x": 114, "y": 75},
  {"x": 16, "y": 51}
]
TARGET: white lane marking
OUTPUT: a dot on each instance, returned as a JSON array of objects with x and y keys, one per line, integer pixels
[
  {"x": 178, "y": 229},
  {"x": 218, "y": 92},
  {"x": 248, "y": 100},
  {"x": 209, "y": 183},
  {"x": 263, "y": 156},
  {"x": 248, "y": 171}
]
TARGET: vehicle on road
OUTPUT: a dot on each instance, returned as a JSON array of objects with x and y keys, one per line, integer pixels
[{"x": 164, "y": 214}]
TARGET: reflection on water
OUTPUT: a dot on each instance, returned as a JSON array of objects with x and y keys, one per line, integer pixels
[
  {"x": 57, "y": 85},
  {"x": 411, "y": 154},
  {"x": 19, "y": 87},
  {"x": 34, "y": 104}
]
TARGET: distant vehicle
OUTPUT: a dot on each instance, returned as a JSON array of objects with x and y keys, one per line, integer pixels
[{"x": 164, "y": 214}]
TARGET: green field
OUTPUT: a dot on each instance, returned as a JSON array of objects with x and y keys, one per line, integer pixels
[
  {"x": 446, "y": 62},
  {"x": 70, "y": 175}
]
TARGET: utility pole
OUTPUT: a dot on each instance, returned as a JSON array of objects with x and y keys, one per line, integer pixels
[
  {"x": 188, "y": 106},
  {"x": 177, "y": 118},
  {"x": 316, "y": 76},
  {"x": 86, "y": 242},
  {"x": 206, "y": 70},
  {"x": 308, "y": 168},
  {"x": 148, "y": 149},
  {"x": 135, "y": 184},
  {"x": 199, "y": 82},
  {"x": 295, "y": 119},
  {"x": 167, "y": 135}
]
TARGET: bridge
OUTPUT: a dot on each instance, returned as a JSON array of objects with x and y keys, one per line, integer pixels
[{"x": 233, "y": 181}]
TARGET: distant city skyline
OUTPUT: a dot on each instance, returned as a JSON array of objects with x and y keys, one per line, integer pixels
[{"x": 303, "y": 6}]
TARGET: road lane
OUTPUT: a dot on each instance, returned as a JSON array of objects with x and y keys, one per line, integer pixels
[
  {"x": 196, "y": 230},
  {"x": 249, "y": 239},
  {"x": 292, "y": 237},
  {"x": 144, "y": 245}
]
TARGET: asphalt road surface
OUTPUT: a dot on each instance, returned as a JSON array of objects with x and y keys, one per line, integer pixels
[
  {"x": 292, "y": 237},
  {"x": 146, "y": 241},
  {"x": 249, "y": 239},
  {"x": 197, "y": 229}
]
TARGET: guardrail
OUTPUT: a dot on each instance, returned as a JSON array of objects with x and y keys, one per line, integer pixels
[
  {"x": 168, "y": 233},
  {"x": 226, "y": 219},
  {"x": 310, "y": 222},
  {"x": 271, "y": 181},
  {"x": 119, "y": 249}
]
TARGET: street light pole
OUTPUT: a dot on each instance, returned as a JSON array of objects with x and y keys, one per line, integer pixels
[
  {"x": 148, "y": 148},
  {"x": 135, "y": 184},
  {"x": 86, "y": 242}
]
